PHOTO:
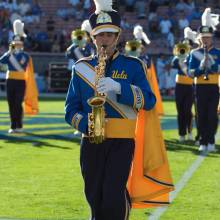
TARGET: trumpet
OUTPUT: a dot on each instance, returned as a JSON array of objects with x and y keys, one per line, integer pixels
[
  {"x": 96, "y": 119},
  {"x": 133, "y": 48},
  {"x": 181, "y": 50},
  {"x": 206, "y": 75},
  {"x": 11, "y": 47}
]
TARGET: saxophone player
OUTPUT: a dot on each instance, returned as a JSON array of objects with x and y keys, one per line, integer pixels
[
  {"x": 204, "y": 65},
  {"x": 105, "y": 166}
]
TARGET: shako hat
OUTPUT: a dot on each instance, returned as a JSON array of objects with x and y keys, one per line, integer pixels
[
  {"x": 140, "y": 35},
  {"x": 85, "y": 26},
  {"x": 104, "y": 19},
  {"x": 209, "y": 23},
  {"x": 19, "y": 35},
  {"x": 191, "y": 36}
]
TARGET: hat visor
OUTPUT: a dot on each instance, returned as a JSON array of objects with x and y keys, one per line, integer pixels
[
  {"x": 105, "y": 28},
  {"x": 17, "y": 42},
  {"x": 205, "y": 35}
]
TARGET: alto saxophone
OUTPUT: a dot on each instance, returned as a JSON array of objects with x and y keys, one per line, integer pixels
[{"x": 96, "y": 119}]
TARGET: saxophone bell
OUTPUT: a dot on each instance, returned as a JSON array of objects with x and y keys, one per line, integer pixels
[{"x": 96, "y": 119}]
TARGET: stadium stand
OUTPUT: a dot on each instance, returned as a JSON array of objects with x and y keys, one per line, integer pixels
[
  {"x": 48, "y": 24},
  {"x": 66, "y": 18}
]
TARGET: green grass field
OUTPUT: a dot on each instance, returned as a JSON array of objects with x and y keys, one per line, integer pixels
[{"x": 40, "y": 175}]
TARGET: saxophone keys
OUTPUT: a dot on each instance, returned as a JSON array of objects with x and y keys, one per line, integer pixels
[{"x": 91, "y": 117}]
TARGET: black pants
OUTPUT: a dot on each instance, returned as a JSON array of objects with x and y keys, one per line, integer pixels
[
  {"x": 207, "y": 98},
  {"x": 105, "y": 168},
  {"x": 197, "y": 137},
  {"x": 15, "y": 97},
  {"x": 184, "y": 101}
]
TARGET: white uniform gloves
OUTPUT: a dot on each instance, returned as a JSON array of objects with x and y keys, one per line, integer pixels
[
  {"x": 107, "y": 84},
  {"x": 206, "y": 64}
]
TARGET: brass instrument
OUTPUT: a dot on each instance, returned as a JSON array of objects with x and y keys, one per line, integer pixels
[
  {"x": 181, "y": 50},
  {"x": 133, "y": 48},
  {"x": 206, "y": 75},
  {"x": 96, "y": 119},
  {"x": 11, "y": 47},
  {"x": 79, "y": 37}
]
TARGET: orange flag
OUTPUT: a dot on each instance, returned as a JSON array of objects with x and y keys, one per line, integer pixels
[
  {"x": 150, "y": 179},
  {"x": 31, "y": 92},
  {"x": 152, "y": 78}
]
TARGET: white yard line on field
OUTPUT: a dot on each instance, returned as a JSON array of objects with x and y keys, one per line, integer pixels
[
  {"x": 2, "y": 218},
  {"x": 36, "y": 219},
  {"x": 179, "y": 186},
  {"x": 155, "y": 215}
]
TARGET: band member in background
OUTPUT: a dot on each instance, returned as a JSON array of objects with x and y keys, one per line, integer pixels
[
  {"x": 81, "y": 47},
  {"x": 20, "y": 82},
  {"x": 87, "y": 28},
  {"x": 138, "y": 48},
  {"x": 183, "y": 91},
  {"x": 204, "y": 66},
  {"x": 120, "y": 82},
  {"x": 141, "y": 36},
  {"x": 191, "y": 37}
]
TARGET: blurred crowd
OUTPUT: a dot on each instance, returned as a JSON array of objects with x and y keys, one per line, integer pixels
[{"x": 162, "y": 20}]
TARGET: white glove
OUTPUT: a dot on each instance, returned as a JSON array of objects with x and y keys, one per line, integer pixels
[
  {"x": 204, "y": 65},
  {"x": 107, "y": 84}
]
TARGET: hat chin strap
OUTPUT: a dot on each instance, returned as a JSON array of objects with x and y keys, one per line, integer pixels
[
  {"x": 116, "y": 41},
  {"x": 205, "y": 35},
  {"x": 114, "y": 45}
]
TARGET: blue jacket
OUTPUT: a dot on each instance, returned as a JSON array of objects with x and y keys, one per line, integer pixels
[
  {"x": 180, "y": 66},
  {"x": 146, "y": 59},
  {"x": 21, "y": 57},
  {"x": 135, "y": 90},
  {"x": 196, "y": 57},
  {"x": 75, "y": 53}
]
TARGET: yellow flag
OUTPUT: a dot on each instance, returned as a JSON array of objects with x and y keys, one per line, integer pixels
[
  {"x": 150, "y": 179},
  {"x": 152, "y": 78},
  {"x": 31, "y": 92}
]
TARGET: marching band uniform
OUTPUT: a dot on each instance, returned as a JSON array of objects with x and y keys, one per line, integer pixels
[
  {"x": 121, "y": 70},
  {"x": 20, "y": 71},
  {"x": 206, "y": 73},
  {"x": 141, "y": 36},
  {"x": 105, "y": 166},
  {"x": 146, "y": 59},
  {"x": 183, "y": 96},
  {"x": 135, "y": 48},
  {"x": 75, "y": 52},
  {"x": 80, "y": 45},
  {"x": 192, "y": 38},
  {"x": 80, "y": 48},
  {"x": 135, "y": 94}
]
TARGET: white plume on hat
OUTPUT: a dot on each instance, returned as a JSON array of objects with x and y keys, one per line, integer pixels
[
  {"x": 139, "y": 34},
  {"x": 18, "y": 27},
  {"x": 86, "y": 26},
  {"x": 190, "y": 34},
  {"x": 209, "y": 19},
  {"x": 103, "y": 5}
]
